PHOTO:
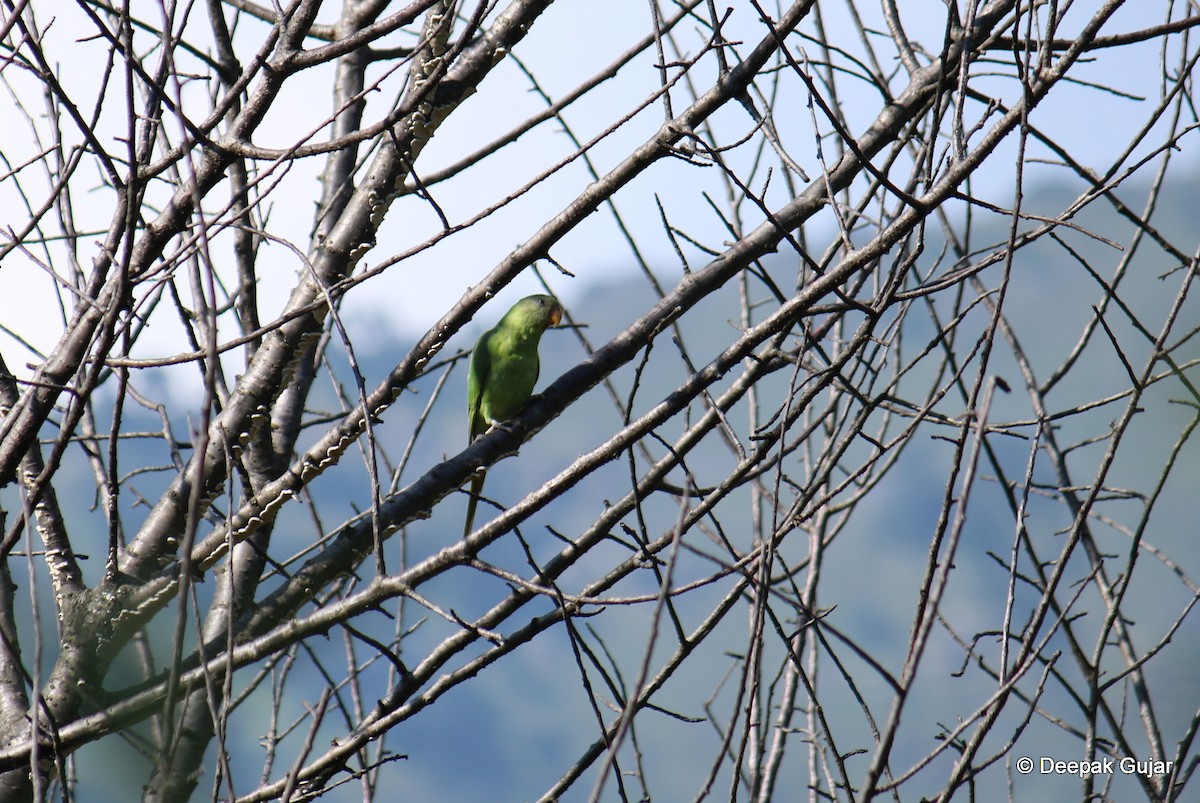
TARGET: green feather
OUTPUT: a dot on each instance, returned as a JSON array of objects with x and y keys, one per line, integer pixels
[{"x": 503, "y": 370}]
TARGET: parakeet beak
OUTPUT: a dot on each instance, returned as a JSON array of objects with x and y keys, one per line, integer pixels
[{"x": 555, "y": 317}]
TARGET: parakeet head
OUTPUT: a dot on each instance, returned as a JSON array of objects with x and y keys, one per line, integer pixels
[{"x": 534, "y": 312}]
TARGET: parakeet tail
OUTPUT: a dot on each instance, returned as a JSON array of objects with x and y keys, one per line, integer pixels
[{"x": 475, "y": 491}]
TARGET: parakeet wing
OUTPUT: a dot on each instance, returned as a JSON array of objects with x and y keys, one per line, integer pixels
[{"x": 477, "y": 377}]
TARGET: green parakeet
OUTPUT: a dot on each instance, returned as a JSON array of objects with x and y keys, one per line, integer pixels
[{"x": 504, "y": 368}]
